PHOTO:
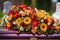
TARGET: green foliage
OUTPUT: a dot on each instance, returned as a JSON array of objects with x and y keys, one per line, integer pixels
[
  {"x": 27, "y": 2},
  {"x": 1, "y": 14},
  {"x": 40, "y": 4},
  {"x": 44, "y": 4}
]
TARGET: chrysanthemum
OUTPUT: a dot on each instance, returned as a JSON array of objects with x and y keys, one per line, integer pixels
[
  {"x": 40, "y": 15},
  {"x": 43, "y": 27},
  {"x": 27, "y": 20}
]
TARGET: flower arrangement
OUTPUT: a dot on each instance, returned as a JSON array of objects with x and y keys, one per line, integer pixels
[{"x": 27, "y": 19}]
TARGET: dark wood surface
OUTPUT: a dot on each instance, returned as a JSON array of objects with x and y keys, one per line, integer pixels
[{"x": 4, "y": 34}]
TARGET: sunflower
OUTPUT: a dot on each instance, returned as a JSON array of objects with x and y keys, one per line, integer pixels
[
  {"x": 27, "y": 20},
  {"x": 10, "y": 17},
  {"x": 43, "y": 27},
  {"x": 18, "y": 21},
  {"x": 39, "y": 14}
]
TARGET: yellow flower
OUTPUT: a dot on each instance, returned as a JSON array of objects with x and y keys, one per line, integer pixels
[
  {"x": 10, "y": 17},
  {"x": 43, "y": 27},
  {"x": 27, "y": 20},
  {"x": 18, "y": 21},
  {"x": 13, "y": 7},
  {"x": 39, "y": 14},
  {"x": 43, "y": 11}
]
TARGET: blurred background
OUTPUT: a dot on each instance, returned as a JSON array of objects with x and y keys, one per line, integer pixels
[{"x": 48, "y": 5}]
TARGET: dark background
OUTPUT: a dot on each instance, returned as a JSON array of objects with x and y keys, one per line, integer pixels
[{"x": 39, "y": 4}]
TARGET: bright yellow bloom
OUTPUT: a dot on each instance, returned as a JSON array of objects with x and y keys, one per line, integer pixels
[
  {"x": 43, "y": 27},
  {"x": 10, "y": 17},
  {"x": 39, "y": 14},
  {"x": 27, "y": 20},
  {"x": 18, "y": 21}
]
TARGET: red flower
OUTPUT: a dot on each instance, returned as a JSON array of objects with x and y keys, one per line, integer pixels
[
  {"x": 30, "y": 10},
  {"x": 11, "y": 12},
  {"x": 45, "y": 21},
  {"x": 16, "y": 14},
  {"x": 23, "y": 25},
  {"x": 34, "y": 22},
  {"x": 52, "y": 21},
  {"x": 16, "y": 11},
  {"x": 50, "y": 26},
  {"x": 21, "y": 6}
]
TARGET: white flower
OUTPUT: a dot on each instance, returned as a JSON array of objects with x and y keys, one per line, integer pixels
[
  {"x": 21, "y": 28},
  {"x": 6, "y": 19},
  {"x": 44, "y": 17},
  {"x": 48, "y": 23},
  {"x": 27, "y": 14},
  {"x": 14, "y": 22},
  {"x": 29, "y": 7},
  {"x": 21, "y": 12},
  {"x": 22, "y": 17},
  {"x": 54, "y": 24},
  {"x": 35, "y": 27},
  {"x": 42, "y": 20},
  {"x": 2, "y": 23},
  {"x": 36, "y": 10}
]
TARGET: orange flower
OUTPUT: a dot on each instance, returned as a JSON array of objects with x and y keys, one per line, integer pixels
[
  {"x": 49, "y": 18},
  {"x": 57, "y": 28},
  {"x": 28, "y": 11},
  {"x": 23, "y": 14},
  {"x": 33, "y": 31},
  {"x": 10, "y": 17},
  {"x": 9, "y": 24}
]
